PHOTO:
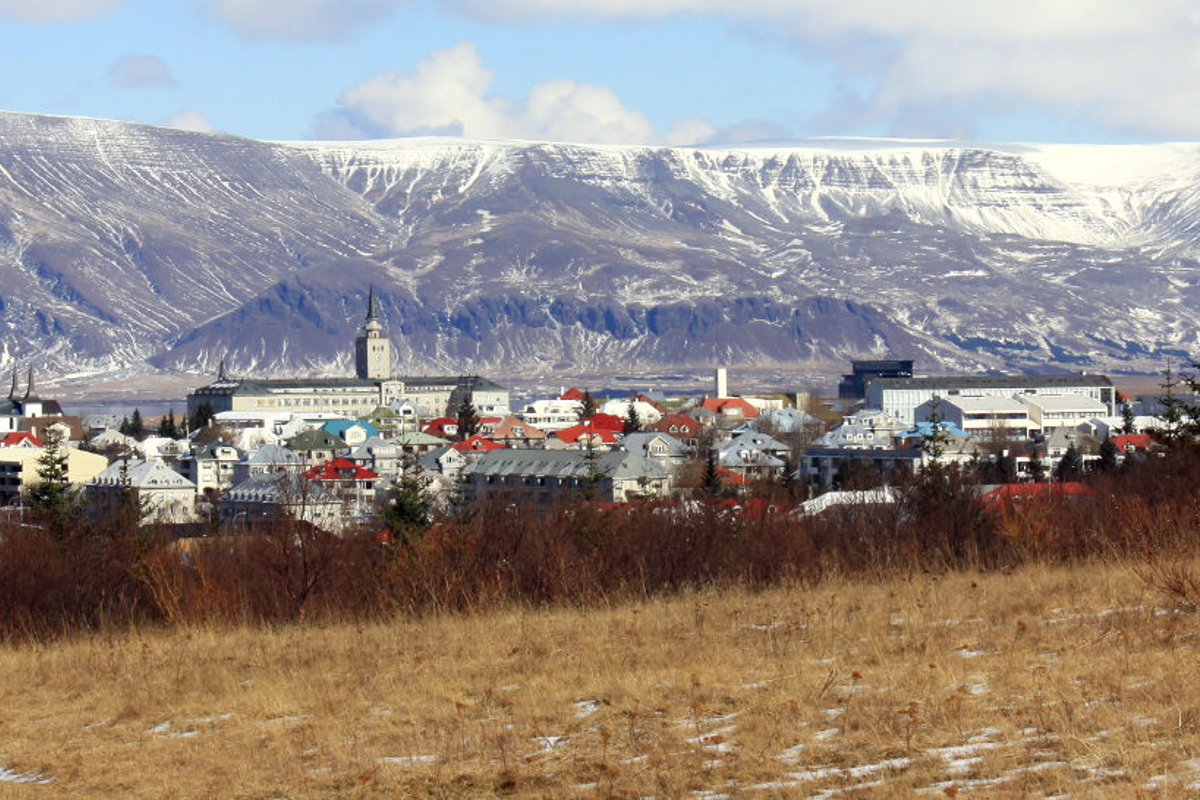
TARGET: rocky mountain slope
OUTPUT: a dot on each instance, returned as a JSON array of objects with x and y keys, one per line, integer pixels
[{"x": 127, "y": 247}]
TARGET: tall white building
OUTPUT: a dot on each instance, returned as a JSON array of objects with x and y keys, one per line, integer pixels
[{"x": 372, "y": 386}]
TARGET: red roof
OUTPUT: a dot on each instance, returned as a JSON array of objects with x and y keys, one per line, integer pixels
[
  {"x": 609, "y": 422},
  {"x": 683, "y": 425},
  {"x": 437, "y": 427},
  {"x": 1020, "y": 492},
  {"x": 476, "y": 444},
  {"x": 340, "y": 469},
  {"x": 572, "y": 434},
  {"x": 1132, "y": 441},
  {"x": 730, "y": 405},
  {"x": 572, "y": 394},
  {"x": 20, "y": 437},
  {"x": 733, "y": 478}
]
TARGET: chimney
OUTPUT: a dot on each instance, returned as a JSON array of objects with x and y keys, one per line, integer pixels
[{"x": 722, "y": 379}]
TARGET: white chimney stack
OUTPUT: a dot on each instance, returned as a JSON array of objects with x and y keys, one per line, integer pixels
[{"x": 722, "y": 382}]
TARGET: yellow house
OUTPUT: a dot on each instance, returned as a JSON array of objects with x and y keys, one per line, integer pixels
[{"x": 19, "y": 468}]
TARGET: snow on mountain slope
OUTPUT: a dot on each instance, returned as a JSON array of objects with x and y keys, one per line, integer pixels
[{"x": 127, "y": 246}]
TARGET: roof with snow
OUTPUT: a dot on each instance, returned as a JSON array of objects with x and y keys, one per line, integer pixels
[{"x": 152, "y": 474}]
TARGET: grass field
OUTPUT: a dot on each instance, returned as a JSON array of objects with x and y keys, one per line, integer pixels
[{"x": 1042, "y": 681}]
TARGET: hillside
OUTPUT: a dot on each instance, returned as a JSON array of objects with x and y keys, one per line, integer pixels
[{"x": 137, "y": 248}]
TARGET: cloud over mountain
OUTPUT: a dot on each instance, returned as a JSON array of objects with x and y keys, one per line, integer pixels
[
  {"x": 447, "y": 93},
  {"x": 1129, "y": 66}
]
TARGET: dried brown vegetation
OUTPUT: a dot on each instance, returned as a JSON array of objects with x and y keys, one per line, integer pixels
[
  {"x": 1041, "y": 680},
  {"x": 939, "y": 644}
]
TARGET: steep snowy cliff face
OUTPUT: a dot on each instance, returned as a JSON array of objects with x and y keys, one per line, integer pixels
[{"x": 126, "y": 246}]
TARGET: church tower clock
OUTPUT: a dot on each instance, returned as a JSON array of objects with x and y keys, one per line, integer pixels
[{"x": 372, "y": 350}]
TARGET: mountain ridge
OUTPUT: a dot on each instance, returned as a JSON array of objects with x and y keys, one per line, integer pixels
[{"x": 129, "y": 247}]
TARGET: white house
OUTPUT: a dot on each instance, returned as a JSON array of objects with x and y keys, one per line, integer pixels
[
  {"x": 978, "y": 415},
  {"x": 167, "y": 496},
  {"x": 1050, "y": 411}
]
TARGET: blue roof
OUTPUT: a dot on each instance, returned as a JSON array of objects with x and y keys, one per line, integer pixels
[{"x": 339, "y": 426}]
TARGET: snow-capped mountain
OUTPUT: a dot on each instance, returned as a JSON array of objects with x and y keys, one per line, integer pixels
[{"x": 131, "y": 247}]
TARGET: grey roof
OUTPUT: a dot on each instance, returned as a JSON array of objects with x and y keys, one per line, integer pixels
[
  {"x": 209, "y": 450},
  {"x": 274, "y": 454},
  {"x": 613, "y": 464},
  {"x": 279, "y": 487},
  {"x": 152, "y": 474},
  {"x": 257, "y": 386},
  {"x": 992, "y": 382},
  {"x": 415, "y": 438},
  {"x": 749, "y": 458},
  {"x": 640, "y": 441},
  {"x": 753, "y": 441}
]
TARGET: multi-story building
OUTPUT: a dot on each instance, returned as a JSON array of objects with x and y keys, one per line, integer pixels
[
  {"x": 543, "y": 478},
  {"x": 900, "y": 397},
  {"x": 164, "y": 494},
  {"x": 19, "y": 468},
  {"x": 372, "y": 386},
  {"x": 979, "y": 416}
]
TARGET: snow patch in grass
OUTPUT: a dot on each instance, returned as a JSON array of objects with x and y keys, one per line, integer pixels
[
  {"x": 408, "y": 761},
  {"x": 10, "y": 776},
  {"x": 585, "y": 708}
]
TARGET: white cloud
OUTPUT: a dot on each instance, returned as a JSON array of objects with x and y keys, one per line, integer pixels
[
  {"x": 189, "y": 120},
  {"x": 140, "y": 71},
  {"x": 53, "y": 10},
  {"x": 447, "y": 93},
  {"x": 1128, "y": 65},
  {"x": 301, "y": 20}
]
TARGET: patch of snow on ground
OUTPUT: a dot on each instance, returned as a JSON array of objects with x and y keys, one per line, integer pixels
[
  {"x": 791, "y": 755},
  {"x": 585, "y": 708},
  {"x": 408, "y": 761},
  {"x": 9, "y": 776}
]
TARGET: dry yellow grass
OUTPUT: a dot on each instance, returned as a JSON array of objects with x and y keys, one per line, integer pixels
[{"x": 1046, "y": 680}]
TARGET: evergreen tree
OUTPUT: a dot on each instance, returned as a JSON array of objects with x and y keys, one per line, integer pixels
[
  {"x": 409, "y": 509},
  {"x": 201, "y": 416},
  {"x": 1127, "y": 420},
  {"x": 1109, "y": 455},
  {"x": 167, "y": 427},
  {"x": 633, "y": 421},
  {"x": 934, "y": 441},
  {"x": 53, "y": 501},
  {"x": 468, "y": 419},
  {"x": 1180, "y": 405},
  {"x": 1070, "y": 467},
  {"x": 1037, "y": 470},
  {"x": 710, "y": 477},
  {"x": 137, "y": 428},
  {"x": 587, "y": 406},
  {"x": 593, "y": 472}
]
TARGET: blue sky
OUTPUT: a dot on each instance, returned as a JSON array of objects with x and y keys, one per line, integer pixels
[{"x": 621, "y": 71}]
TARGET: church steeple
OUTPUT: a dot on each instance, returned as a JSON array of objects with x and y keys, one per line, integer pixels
[
  {"x": 372, "y": 350},
  {"x": 12, "y": 393},
  {"x": 29, "y": 385}
]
